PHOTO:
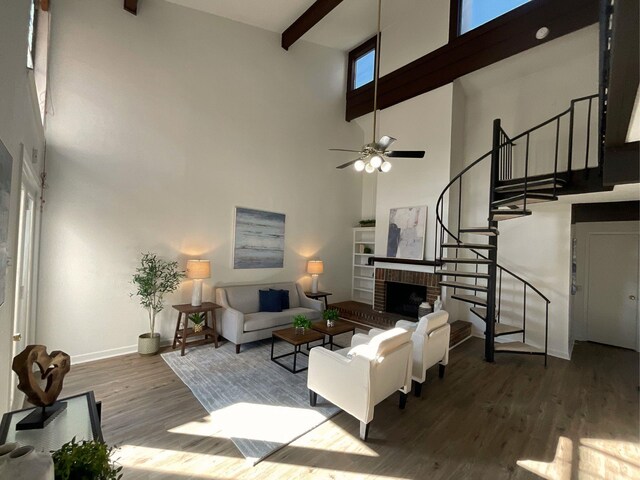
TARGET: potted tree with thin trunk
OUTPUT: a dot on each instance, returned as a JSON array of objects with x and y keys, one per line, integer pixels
[{"x": 153, "y": 278}]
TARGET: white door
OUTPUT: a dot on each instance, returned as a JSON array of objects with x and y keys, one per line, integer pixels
[
  {"x": 612, "y": 302},
  {"x": 23, "y": 321}
]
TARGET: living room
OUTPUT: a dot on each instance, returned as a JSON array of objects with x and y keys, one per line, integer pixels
[{"x": 159, "y": 126}]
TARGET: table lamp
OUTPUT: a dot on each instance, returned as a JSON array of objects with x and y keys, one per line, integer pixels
[
  {"x": 197, "y": 270},
  {"x": 315, "y": 268}
]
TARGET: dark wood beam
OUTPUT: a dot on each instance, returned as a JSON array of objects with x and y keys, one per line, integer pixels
[
  {"x": 307, "y": 21},
  {"x": 131, "y": 6},
  {"x": 508, "y": 35},
  {"x": 622, "y": 164},
  {"x": 623, "y": 71}
]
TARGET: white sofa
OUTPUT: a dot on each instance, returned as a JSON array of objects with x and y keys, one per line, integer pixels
[{"x": 242, "y": 322}]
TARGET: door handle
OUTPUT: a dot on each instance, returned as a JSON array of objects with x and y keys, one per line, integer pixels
[
  {"x": 632, "y": 297},
  {"x": 17, "y": 337}
]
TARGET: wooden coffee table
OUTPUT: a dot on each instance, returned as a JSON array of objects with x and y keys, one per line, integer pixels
[
  {"x": 339, "y": 327},
  {"x": 297, "y": 340}
]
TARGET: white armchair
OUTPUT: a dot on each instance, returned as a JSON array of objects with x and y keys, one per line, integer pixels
[
  {"x": 356, "y": 379},
  {"x": 430, "y": 336}
]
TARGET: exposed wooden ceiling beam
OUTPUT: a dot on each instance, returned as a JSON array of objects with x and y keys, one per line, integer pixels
[
  {"x": 307, "y": 21},
  {"x": 131, "y": 6}
]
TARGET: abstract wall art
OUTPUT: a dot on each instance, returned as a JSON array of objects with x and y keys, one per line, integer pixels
[
  {"x": 407, "y": 229},
  {"x": 259, "y": 239}
]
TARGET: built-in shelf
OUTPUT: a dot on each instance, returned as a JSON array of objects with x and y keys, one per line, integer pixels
[{"x": 362, "y": 285}]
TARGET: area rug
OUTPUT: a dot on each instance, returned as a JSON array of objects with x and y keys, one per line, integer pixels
[{"x": 253, "y": 401}]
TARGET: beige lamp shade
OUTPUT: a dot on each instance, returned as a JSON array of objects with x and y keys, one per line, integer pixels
[
  {"x": 315, "y": 267},
  {"x": 198, "y": 269}
]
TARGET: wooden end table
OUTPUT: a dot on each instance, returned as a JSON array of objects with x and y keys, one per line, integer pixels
[
  {"x": 297, "y": 340},
  {"x": 183, "y": 332},
  {"x": 318, "y": 295},
  {"x": 339, "y": 327}
]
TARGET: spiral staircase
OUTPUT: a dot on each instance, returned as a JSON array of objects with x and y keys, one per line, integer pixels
[{"x": 559, "y": 156}]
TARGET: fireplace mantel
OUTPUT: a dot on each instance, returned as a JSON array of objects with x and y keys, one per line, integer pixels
[{"x": 407, "y": 261}]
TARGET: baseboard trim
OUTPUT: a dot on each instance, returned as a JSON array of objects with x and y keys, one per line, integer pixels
[{"x": 113, "y": 352}]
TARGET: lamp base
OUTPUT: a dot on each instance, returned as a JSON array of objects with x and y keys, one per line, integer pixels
[
  {"x": 314, "y": 283},
  {"x": 196, "y": 296}
]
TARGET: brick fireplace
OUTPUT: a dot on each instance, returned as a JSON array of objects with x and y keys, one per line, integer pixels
[{"x": 385, "y": 275}]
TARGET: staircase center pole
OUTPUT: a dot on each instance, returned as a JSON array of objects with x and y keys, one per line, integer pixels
[{"x": 493, "y": 252}]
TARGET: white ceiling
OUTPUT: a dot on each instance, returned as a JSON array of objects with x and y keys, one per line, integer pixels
[{"x": 348, "y": 25}]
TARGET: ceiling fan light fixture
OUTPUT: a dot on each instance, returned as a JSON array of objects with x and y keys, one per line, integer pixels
[
  {"x": 369, "y": 168},
  {"x": 375, "y": 161},
  {"x": 359, "y": 166},
  {"x": 385, "y": 167}
]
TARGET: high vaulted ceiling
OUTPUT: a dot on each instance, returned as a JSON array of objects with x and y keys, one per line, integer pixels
[{"x": 348, "y": 25}]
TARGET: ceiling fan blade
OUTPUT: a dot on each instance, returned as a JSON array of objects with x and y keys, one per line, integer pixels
[
  {"x": 385, "y": 142},
  {"x": 343, "y": 150},
  {"x": 405, "y": 154},
  {"x": 345, "y": 165}
]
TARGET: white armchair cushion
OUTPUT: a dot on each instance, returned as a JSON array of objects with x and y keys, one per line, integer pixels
[{"x": 430, "y": 322}]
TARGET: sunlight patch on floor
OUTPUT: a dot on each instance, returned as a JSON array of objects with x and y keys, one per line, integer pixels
[
  {"x": 597, "y": 459},
  {"x": 171, "y": 462}
]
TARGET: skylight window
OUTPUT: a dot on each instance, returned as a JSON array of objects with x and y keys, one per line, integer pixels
[
  {"x": 364, "y": 69},
  {"x": 478, "y": 12}
]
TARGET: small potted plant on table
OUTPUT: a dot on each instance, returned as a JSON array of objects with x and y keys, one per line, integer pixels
[
  {"x": 198, "y": 320},
  {"x": 330, "y": 315},
  {"x": 153, "y": 278},
  {"x": 301, "y": 323}
]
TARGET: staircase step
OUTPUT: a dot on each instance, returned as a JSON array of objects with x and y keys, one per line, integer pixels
[
  {"x": 459, "y": 273},
  {"x": 517, "y": 347},
  {"x": 477, "y": 246},
  {"x": 499, "y": 215},
  {"x": 467, "y": 286},
  {"x": 480, "y": 261},
  {"x": 488, "y": 231},
  {"x": 518, "y": 200},
  {"x": 470, "y": 299},
  {"x": 540, "y": 184},
  {"x": 479, "y": 312},
  {"x": 503, "y": 329}
]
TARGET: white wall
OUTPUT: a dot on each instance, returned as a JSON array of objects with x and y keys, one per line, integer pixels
[
  {"x": 19, "y": 124},
  {"x": 163, "y": 123}
]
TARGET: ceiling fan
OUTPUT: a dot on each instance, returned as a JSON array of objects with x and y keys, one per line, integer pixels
[{"x": 373, "y": 156}]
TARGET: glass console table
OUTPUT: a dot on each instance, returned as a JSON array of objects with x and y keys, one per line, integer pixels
[{"x": 81, "y": 419}]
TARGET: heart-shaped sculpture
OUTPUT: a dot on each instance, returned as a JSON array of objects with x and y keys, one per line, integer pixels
[{"x": 52, "y": 367}]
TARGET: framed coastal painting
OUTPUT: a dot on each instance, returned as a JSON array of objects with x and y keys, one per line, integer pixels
[
  {"x": 6, "y": 166},
  {"x": 407, "y": 229},
  {"x": 259, "y": 239}
]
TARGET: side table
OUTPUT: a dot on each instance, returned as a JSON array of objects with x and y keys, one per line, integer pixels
[
  {"x": 183, "y": 331},
  {"x": 318, "y": 295}
]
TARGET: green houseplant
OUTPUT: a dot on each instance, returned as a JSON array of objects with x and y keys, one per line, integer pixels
[
  {"x": 153, "y": 278},
  {"x": 87, "y": 460},
  {"x": 197, "y": 319},
  {"x": 300, "y": 323},
  {"x": 330, "y": 315}
]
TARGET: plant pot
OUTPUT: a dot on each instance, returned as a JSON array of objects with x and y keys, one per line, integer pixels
[
  {"x": 300, "y": 330},
  {"x": 197, "y": 327},
  {"x": 148, "y": 344},
  {"x": 24, "y": 463}
]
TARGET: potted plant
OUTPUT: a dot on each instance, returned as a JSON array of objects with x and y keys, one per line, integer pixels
[
  {"x": 300, "y": 323},
  {"x": 87, "y": 459},
  {"x": 153, "y": 278},
  {"x": 330, "y": 315},
  {"x": 197, "y": 319}
]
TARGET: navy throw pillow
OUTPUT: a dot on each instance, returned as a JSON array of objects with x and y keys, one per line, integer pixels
[
  {"x": 270, "y": 301},
  {"x": 284, "y": 298}
]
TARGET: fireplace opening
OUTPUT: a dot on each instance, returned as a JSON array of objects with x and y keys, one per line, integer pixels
[{"x": 404, "y": 298}]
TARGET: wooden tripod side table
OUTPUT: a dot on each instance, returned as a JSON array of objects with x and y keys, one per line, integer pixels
[{"x": 184, "y": 332}]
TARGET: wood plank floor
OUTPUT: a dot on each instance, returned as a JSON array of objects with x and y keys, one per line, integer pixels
[{"x": 575, "y": 419}]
